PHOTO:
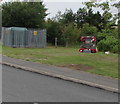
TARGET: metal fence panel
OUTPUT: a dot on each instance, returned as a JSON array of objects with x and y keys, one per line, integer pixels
[
  {"x": 23, "y": 37},
  {"x": 37, "y": 40}
]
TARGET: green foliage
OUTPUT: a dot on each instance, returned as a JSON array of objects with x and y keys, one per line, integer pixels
[
  {"x": 90, "y": 4},
  {"x": 53, "y": 31},
  {"x": 71, "y": 33},
  {"x": 80, "y": 17},
  {"x": 68, "y": 17},
  {"x": 101, "y": 36},
  {"x": 107, "y": 40},
  {"x": 23, "y": 14},
  {"x": 69, "y": 26},
  {"x": 114, "y": 33},
  {"x": 65, "y": 33},
  {"x": 88, "y": 16},
  {"x": 108, "y": 44},
  {"x": 115, "y": 49},
  {"x": 105, "y": 6},
  {"x": 107, "y": 15},
  {"x": 88, "y": 30},
  {"x": 87, "y": 22},
  {"x": 117, "y": 5}
]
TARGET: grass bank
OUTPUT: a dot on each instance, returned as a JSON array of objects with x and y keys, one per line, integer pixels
[{"x": 98, "y": 63}]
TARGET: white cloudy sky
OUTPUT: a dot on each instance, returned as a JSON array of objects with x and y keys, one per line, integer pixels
[
  {"x": 60, "y": 5},
  {"x": 54, "y": 7}
]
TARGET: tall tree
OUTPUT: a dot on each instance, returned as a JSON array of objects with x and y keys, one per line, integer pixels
[
  {"x": 88, "y": 30},
  {"x": 53, "y": 31},
  {"x": 90, "y": 4},
  {"x": 68, "y": 17},
  {"x": 80, "y": 17},
  {"x": 23, "y": 14},
  {"x": 107, "y": 15}
]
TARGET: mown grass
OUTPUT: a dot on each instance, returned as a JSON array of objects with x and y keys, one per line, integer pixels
[{"x": 106, "y": 65}]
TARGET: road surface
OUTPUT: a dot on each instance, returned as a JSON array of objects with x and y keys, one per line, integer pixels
[{"x": 24, "y": 86}]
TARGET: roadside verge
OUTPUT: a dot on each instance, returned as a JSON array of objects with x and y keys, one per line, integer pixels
[{"x": 63, "y": 77}]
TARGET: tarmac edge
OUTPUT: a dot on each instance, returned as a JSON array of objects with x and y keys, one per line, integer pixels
[{"x": 63, "y": 77}]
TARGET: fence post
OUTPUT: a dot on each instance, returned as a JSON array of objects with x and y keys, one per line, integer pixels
[
  {"x": 56, "y": 42},
  {"x": 67, "y": 42}
]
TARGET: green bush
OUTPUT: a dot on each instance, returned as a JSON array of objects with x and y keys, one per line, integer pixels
[
  {"x": 101, "y": 36},
  {"x": 115, "y": 49},
  {"x": 108, "y": 44}
]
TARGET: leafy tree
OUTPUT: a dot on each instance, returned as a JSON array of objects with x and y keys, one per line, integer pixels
[
  {"x": 71, "y": 34},
  {"x": 68, "y": 17},
  {"x": 23, "y": 14},
  {"x": 117, "y": 16},
  {"x": 94, "y": 19},
  {"x": 97, "y": 21},
  {"x": 101, "y": 36},
  {"x": 88, "y": 30},
  {"x": 114, "y": 33},
  {"x": 53, "y": 31},
  {"x": 80, "y": 17},
  {"x": 104, "y": 6},
  {"x": 86, "y": 15},
  {"x": 58, "y": 17},
  {"x": 90, "y": 4},
  {"x": 107, "y": 15},
  {"x": 117, "y": 5}
]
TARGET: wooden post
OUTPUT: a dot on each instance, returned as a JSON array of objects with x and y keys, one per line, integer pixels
[
  {"x": 67, "y": 42},
  {"x": 56, "y": 42}
]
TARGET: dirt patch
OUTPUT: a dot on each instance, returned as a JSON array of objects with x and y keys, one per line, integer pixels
[{"x": 78, "y": 67}]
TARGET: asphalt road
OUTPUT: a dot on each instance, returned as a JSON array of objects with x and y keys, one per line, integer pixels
[{"x": 23, "y": 86}]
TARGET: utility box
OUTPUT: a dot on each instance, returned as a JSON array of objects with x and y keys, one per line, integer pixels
[{"x": 23, "y": 37}]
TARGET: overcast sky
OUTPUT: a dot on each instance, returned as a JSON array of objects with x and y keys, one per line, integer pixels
[
  {"x": 54, "y": 7},
  {"x": 60, "y": 5}
]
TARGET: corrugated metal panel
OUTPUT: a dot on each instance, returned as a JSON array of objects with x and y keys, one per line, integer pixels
[{"x": 23, "y": 37}]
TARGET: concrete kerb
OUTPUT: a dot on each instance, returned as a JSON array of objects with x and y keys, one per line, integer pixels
[{"x": 63, "y": 77}]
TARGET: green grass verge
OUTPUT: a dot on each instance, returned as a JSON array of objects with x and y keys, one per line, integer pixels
[{"x": 102, "y": 64}]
